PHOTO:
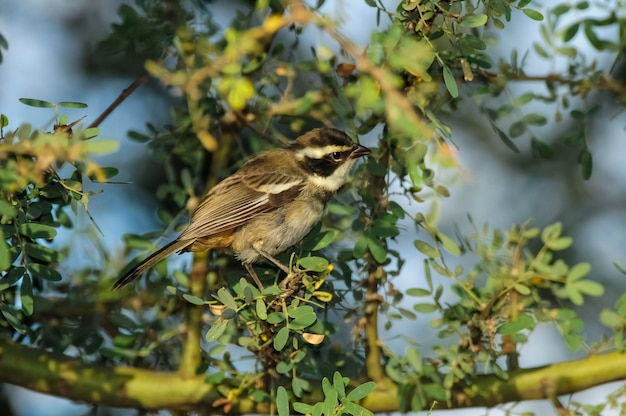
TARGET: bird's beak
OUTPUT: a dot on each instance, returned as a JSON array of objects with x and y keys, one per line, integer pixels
[{"x": 358, "y": 151}]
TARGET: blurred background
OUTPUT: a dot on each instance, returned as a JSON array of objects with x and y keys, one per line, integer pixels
[{"x": 52, "y": 56}]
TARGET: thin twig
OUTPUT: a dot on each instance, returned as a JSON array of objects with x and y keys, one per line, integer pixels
[{"x": 143, "y": 78}]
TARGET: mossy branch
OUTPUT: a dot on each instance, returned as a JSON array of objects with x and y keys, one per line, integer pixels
[{"x": 140, "y": 388}]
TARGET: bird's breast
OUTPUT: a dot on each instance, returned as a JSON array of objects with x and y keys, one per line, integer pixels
[{"x": 276, "y": 231}]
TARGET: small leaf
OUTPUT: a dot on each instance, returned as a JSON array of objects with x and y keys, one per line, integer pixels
[
  {"x": 217, "y": 329},
  {"x": 224, "y": 296},
  {"x": 33, "y": 102},
  {"x": 474, "y": 20},
  {"x": 44, "y": 272},
  {"x": 424, "y": 307},
  {"x": 448, "y": 79},
  {"x": 378, "y": 251},
  {"x": 589, "y": 287},
  {"x": 42, "y": 253},
  {"x": 36, "y": 230},
  {"x": 426, "y": 249},
  {"x": 282, "y": 401},
  {"x": 26, "y": 295},
  {"x": 339, "y": 385},
  {"x": 261, "y": 309},
  {"x": 361, "y": 391},
  {"x": 11, "y": 317},
  {"x": 313, "y": 263},
  {"x": 6, "y": 209},
  {"x": 5, "y": 257},
  {"x": 586, "y": 163},
  {"x": 521, "y": 323},
  {"x": 533, "y": 14},
  {"x": 275, "y": 318},
  {"x": 559, "y": 244},
  {"x": 535, "y": 119},
  {"x": 418, "y": 292},
  {"x": 194, "y": 300},
  {"x": 99, "y": 147},
  {"x": 570, "y": 32},
  {"x": 281, "y": 338},
  {"x": 611, "y": 319},
  {"x": 89, "y": 133},
  {"x": 517, "y": 129},
  {"x": 72, "y": 104},
  {"x": 448, "y": 244},
  {"x": 328, "y": 237},
  {"x": 355, "y": 409},
  {"x": 579, "y": 271}
]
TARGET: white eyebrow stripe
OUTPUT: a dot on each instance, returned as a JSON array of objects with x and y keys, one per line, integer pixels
[{"x": 320, "y": 152}]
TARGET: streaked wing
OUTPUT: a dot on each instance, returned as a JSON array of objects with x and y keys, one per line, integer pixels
[{"x": 235, "y": 200}]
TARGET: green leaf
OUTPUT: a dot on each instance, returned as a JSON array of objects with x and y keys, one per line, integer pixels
[
  {"x": 5, "y": 257},
  {"x": 418, "y": 292},
  {"x": 361, "y": 391},
  {"x": 328, "y": 237},
  {"x": 44, "y": 272},
  {"x": 275, "y": 318},
  {"x": 11, "y": 317},
  {"x": 42, "y": 253},
  {"x": 506, "y": 140},
  {"x": 474, "y": 20},
  {"x": 313, "y": 263},
  {"x": 72, "y": 104},
  {"x": 99, "y": 147},
  {"x": 281, "y": 338},
  {"x": 517, "y": 129},
  {"x": 570, "y": 32},
  {"x": 426, "y": 249},
  {"x": 36, "y": 230},
  {"x": 424, "y": 307},
  {"x": 224, "y": 296},
  {"x": 589, "y": 287},
  {"x": 533, "y": 14},
  {"x": 282, "y": 401},
  {"x": 412, "y": 356},
  {"x": 26, "y": 295},
  {"x": 138, "y": 137},
  {"x": 579, "y": 271},
  {"x": 339, "y": 385},
  {"x": 448, "y": 79},
  {"x": 33, "y": 102},
  {"x": 559, "y": 244},
  {"x": 89, "y": 133},
  {"x": 523, "y": 322},
  {"x": 7, "y": 210},
  {"x": 448, "y": 244},
  {"x": 194, "y": 300},
  {"x": 217, "y": 329},
  {"x": 261, "y": 309},
  {"x": 586, "y": 163},
  {"x": 378, "y": 251},
  {"x": 355, "y": 409},
  {"x": 535, "y": 119},
  {"x": 611, "y": 319}
]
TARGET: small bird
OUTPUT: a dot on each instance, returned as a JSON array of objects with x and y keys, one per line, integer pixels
[{"x": 268, "y": 205}]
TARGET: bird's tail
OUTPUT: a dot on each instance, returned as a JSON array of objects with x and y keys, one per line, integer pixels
[{"x": 150, "y": 262}]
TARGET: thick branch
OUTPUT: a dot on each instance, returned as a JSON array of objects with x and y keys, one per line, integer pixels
[{"x": 139, "y": 388}]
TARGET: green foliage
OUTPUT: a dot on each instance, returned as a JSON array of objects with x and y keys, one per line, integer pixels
[{"x": 251, "y": 87}]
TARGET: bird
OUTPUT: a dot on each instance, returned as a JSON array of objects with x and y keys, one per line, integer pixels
[{"x": 268, "y": 205}]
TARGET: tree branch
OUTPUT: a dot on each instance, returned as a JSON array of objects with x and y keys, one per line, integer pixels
[
  {"x": 146, "y": 389},
  {"x": 143, "y": 78}
]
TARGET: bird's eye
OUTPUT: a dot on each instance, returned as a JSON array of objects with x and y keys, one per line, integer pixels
[{"x": 336, "y": 156}]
